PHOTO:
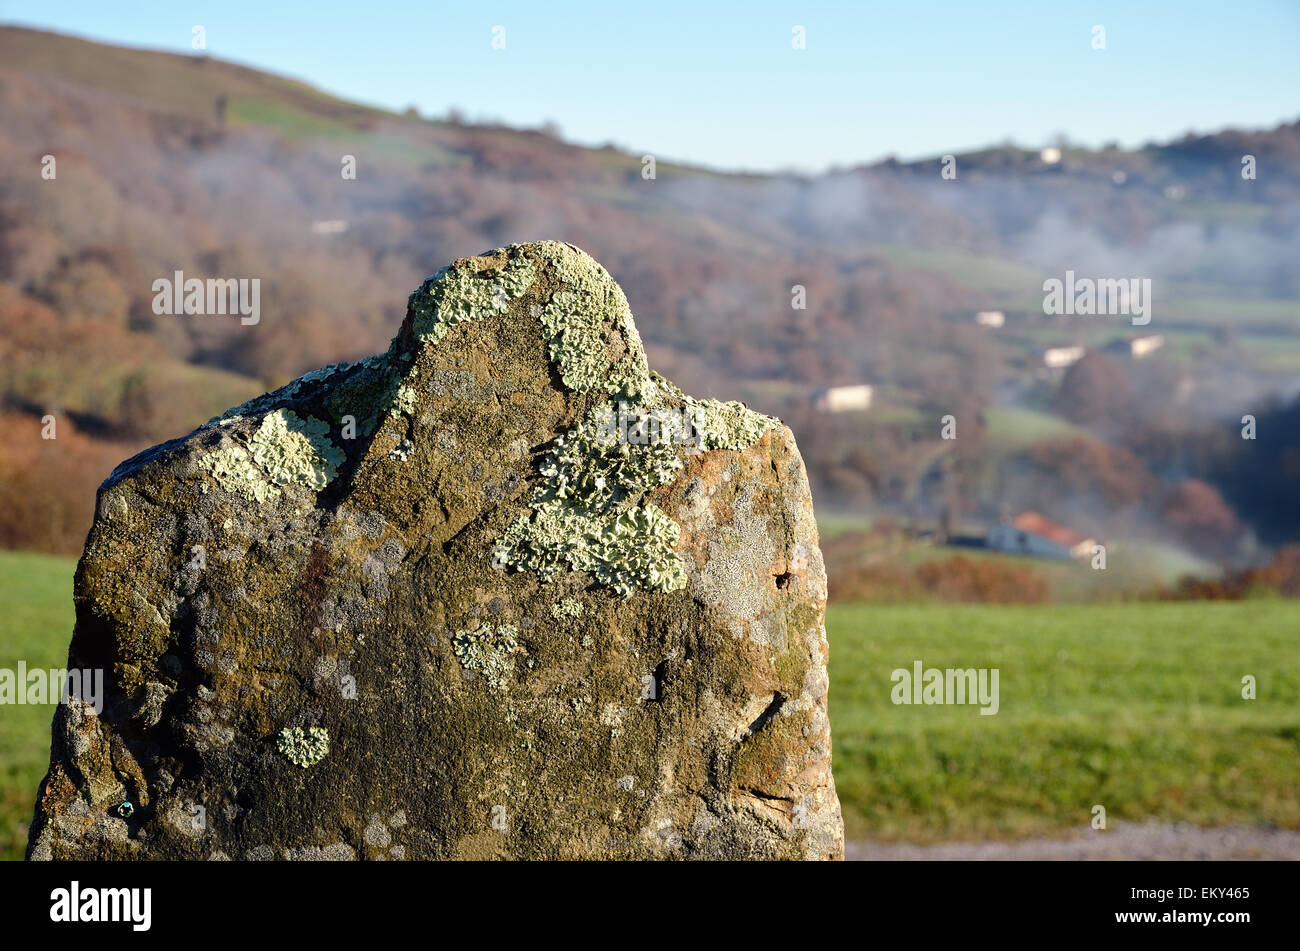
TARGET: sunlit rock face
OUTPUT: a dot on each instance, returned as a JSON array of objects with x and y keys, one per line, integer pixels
[{"x": 499, "y": 592}]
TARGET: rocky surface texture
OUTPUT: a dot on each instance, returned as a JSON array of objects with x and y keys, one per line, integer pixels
[{"x": 500, "y": 592}]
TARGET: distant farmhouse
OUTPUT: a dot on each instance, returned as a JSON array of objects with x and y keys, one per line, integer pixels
[
  {"x": 1031, "y": 534},
  {"x": 1137, "y": 347},
  {"x": 1055, "y": 358},
  {"x": 990, "y": 318},
  {"x": 843, "y": 399}
]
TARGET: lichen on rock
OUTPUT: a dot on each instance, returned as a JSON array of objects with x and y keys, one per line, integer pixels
[
  {"x": 729, "y": 425},
  {"x": 583, "y": 317},
  {"x": 602, "y": 465},
  {"x": 304, "y": 747},
  {"x": 501, "y": 564},
  {"x": 567, "y": 608},
  {"x": 233, "y": 469},
  {"x": 460, "y": 293},
  {"x": 488, "y": 651},
  {"x": 295, "y": 449},
  {"x": 285, "y": 448}
]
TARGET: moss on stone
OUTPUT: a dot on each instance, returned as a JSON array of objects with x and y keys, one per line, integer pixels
[{"x": 372, "y": 392}]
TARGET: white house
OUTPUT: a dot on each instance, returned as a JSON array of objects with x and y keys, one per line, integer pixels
[
  {"x": 990, "y": 318},
  {"x": 1031, "y": 534},
  {"x": 1143, "y": 346},
  {"x": 1137, "y": 347},
  {"x": 1057, "y": 357},
  {"x": 843, "y": 399}
]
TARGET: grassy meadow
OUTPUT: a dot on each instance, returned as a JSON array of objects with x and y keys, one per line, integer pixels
[
  {"x": 35, "y": 626},
  {"x": 1136, "y": 707}
]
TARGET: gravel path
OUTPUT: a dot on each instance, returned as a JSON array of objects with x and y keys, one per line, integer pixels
[{"x": 1123, "y": 840}]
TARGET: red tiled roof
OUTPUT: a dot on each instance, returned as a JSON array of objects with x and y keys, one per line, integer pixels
[{"x": 1037, "y": 524}]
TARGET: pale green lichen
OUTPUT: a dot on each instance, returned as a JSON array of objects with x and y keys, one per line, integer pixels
[
  {"x": 634, "y": 549},
  {"x": 460, "y": 293},
  {"x": 292, "y": 448},
  {"x": 614, "y": 456},
  {"x": 567, "y": 608},
  {"x": 285, "y": 448},
  {"x": 587, "y": 514},
  {"x": 488, "y": 651},
  {"x": 709, "y": 424},
  {"x": 588, "y": 318},
  {"x": 557, "y": 535},
  {"x": 304, "y": 747},
  {"x": 234, "y": 471},
  {"x": 729, "y": 425},
  {"x": 404, "y": 401}
]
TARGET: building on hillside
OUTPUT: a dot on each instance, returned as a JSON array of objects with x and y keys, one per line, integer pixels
[
  {"x": 1138, "y": 347},
  {"x": 990, "y": 318},
  {"x": 1054, "y": 358},
  {"x": 1032, "y": 534},
  {"x": 843, "y": 399}
]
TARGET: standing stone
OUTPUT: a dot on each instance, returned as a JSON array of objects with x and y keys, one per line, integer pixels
[{"x": 499, "y": 592}]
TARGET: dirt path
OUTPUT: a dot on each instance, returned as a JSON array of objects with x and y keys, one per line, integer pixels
[{"x": 1123, "y": 840}]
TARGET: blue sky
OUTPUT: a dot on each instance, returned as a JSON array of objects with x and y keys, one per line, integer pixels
[{"x": 719, "y": 84}]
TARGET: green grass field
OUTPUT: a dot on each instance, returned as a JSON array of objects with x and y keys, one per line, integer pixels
[
  {"x": 1003, "y": 281},
  {"x": 35, "y": 626},
  {"x": 1136, "y": 707},
  {"x": 1016, "y": 426}
]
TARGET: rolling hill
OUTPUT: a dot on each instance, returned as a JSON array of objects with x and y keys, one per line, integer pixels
[{"x": 168, "y": 162}]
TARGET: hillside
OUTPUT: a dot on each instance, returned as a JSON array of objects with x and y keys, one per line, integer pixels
[{"x": 168, "y": 162}]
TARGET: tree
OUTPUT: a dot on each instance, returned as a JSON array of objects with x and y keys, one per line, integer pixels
[{"x": 1095, "y": 388}]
